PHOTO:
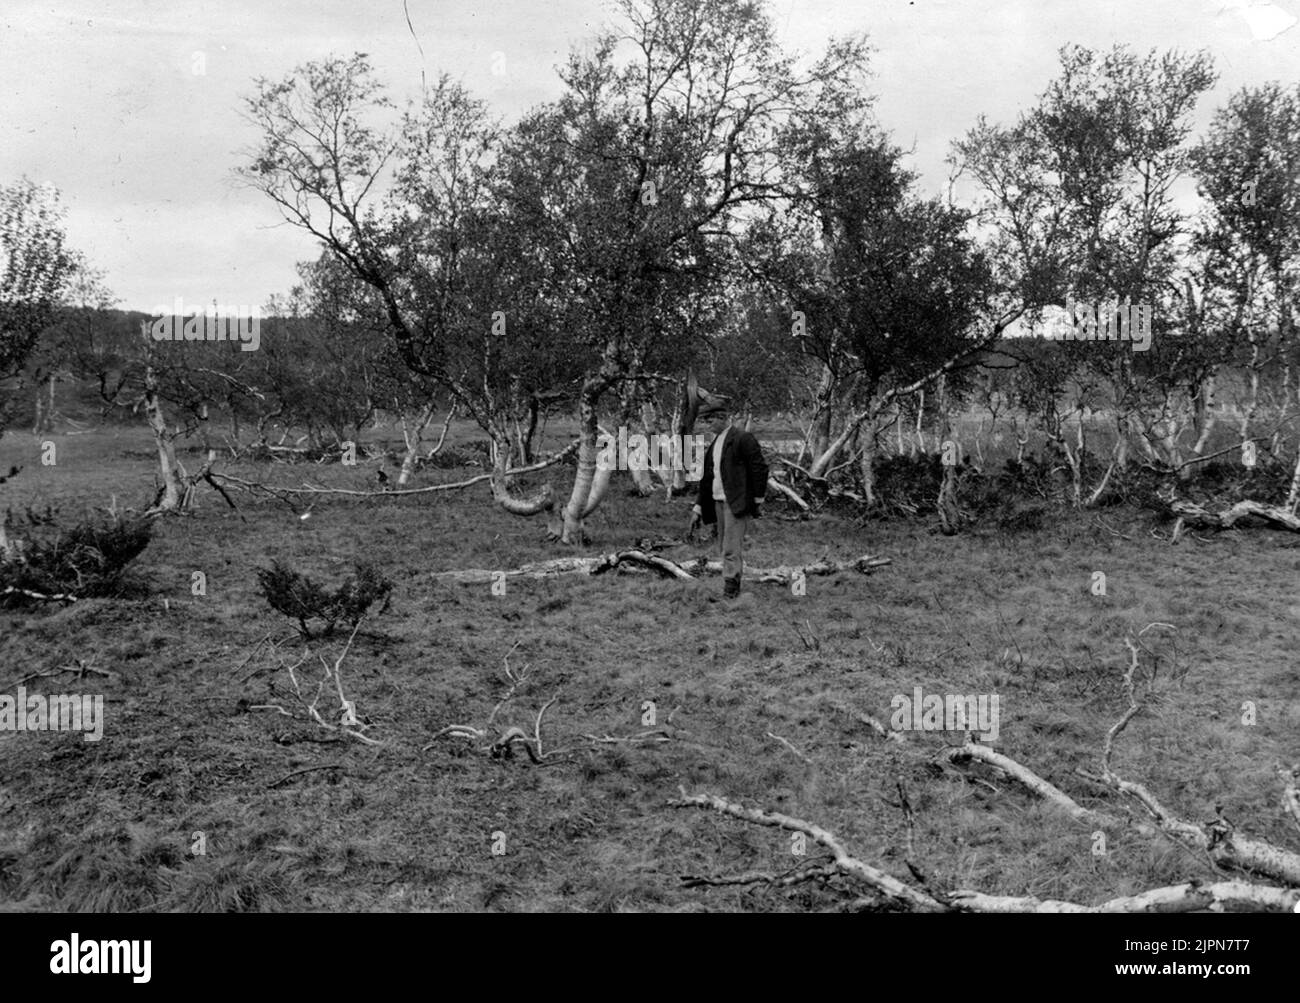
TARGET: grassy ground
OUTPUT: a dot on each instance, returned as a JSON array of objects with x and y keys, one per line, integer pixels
[{"x": 109, "y": 825}]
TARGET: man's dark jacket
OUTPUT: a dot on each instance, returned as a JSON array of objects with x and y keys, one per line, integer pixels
[{"x": 744, "y": 476}]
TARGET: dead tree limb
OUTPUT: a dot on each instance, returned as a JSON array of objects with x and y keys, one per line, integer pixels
[
  {"x": 640, "y": 558},
  {"x": 1191, "y": 896},
  {"x": 789, "y": 492},
  {"x": 468, "y": 731},
  {"x": 537, "y": 725},
  {"x": 782, "y": 575},
  {"x": 316, "y": 489},
  {"x": 67, "y": 597},
  {"x": 253, "y": 651},
  {"x": 81, "y": 667},
  {"x": 349, "y": 724},
  {"x": 503, "y": 746},
  {"x": 863, "y": 718},
  {"x": 808, "y": 872},
  {"x": 298, "y": 773},
  {"x": 1032, "y": 781},
  {"x": 516, "y": 679},
  {"x": 1196, "y": 515},
  {"x": 789, "y": 745},
  {"x": 885, "y": 884},
  {"x": 1217, "y": 839},
  {"x": 656, "y": 736},
  {"x": 1222, "y": 846}
]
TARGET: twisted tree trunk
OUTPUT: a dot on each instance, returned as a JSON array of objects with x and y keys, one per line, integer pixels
[
  {"x": 579, "y": 507},
  {"x": 169, "y": 499},
  {"x": 542, "y": 501}
]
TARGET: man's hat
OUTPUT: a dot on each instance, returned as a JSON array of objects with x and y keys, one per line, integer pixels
[
  {"x": 713, "y": 405},
  {"x": 700, "y": 403}
]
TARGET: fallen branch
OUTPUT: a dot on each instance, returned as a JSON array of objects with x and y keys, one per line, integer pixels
[
  {"x": 315, "y": 489},
  {"x": 349, "y": 724},
  {"x": 639, "y": 557},
  {"x": 793, "y": 877},
  {"x": 794, "y": 466},
  {"x": 782, "y": 575},
  {"x": 1191, "y": 896},
  {"x": 1196, "y": 515},
  {"x": 516, "y": 679},
  {"x": 1216, "y": 839},
  {"x": 80, "y": 668},
  {"x": 789, "y": 492},
  {"x": 878, "y": 880},
  {"x": 503, "y": 747},
  {"x": 790, "y": 746},
  {"x": 656, "y": 736},
  {"x": 909, "y": 819},
  {"x": 270, "y": 706},
  {"x": 537, "y": 726},
  {"x": 1220, "y": 844},
  {"x": 1032, "y": 781},
  {"x": 468, "y": 731},
  {"x": 57, "y": 597},
  {"x": 249, "y": 657},
  {"x": 863, "y": 718},
  {"x": 297, "y": 773}
]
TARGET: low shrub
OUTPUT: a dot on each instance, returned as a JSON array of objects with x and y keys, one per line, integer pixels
[
  {"x": 300, "y": 598},
  {"x": 45, "y": 560}
]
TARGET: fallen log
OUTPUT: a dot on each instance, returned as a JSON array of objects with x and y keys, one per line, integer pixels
[
  {"x": 1216, "y": 839},
  {"x": 1199, "y": 516},
  {"x": 1191, "y": 896},
  {"x": 782, "y": 575},
  {"x": 1046, "y": 790},
  {"x": 885, "y": 884}
]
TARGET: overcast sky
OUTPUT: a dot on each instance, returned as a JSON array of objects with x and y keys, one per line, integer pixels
[{"x": 102, "y": 99}]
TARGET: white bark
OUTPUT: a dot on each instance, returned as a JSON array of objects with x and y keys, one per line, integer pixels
[{"x": 412, "y": 436}]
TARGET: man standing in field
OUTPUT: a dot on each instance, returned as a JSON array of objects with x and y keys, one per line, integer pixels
[{"x": 732, "y": 487}]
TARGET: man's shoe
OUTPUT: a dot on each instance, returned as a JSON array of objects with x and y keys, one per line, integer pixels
[{"x": 731, "y": 588}]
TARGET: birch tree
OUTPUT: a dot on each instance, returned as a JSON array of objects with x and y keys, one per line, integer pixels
[{"x": 35, "y": 267}]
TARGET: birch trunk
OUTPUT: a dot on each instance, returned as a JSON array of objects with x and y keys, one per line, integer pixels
[
  {"x": 821, "y": 434},
  {"x": 868, "y": 463},
  {"x": 542, "y": 501},
  {"x": 412, "y": 438},
  {"x": 572, "y": 531},
  {"x": 1205, "y": 414},
  {"x": 165, "y": 443}
]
